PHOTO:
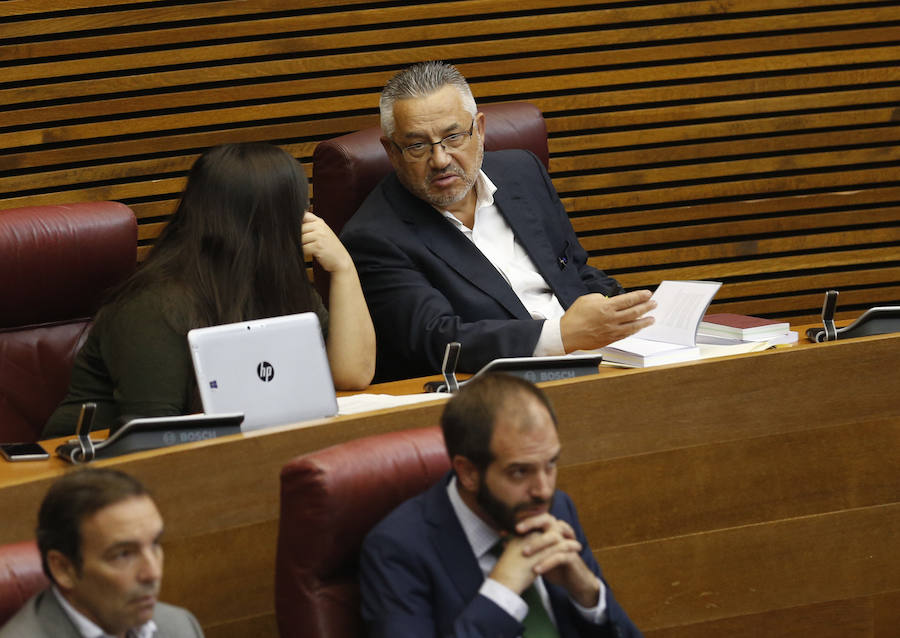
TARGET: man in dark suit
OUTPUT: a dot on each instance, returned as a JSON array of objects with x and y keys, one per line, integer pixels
[
  {"x": 99, "y": 537},
  {"x": 492, "y": 550},
  {"x": 462, "y": 245}
]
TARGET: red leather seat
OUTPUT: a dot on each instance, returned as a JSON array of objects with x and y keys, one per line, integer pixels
[
  {"x": 21, "y": 577},
  {"x": 347, "y": 168},
  {"x": 57, "y": 263},
  {"x": 330, "y": 499}
]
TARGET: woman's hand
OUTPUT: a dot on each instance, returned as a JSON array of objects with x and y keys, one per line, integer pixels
[
  {"x": 351, "y": 337},
  {"x": 320, "y": 243}
]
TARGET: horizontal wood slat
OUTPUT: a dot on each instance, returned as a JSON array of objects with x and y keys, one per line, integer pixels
[
  {"x": 786, "y": 264},
  {"x": 751, "y": 141},
  {"x": 771, "y": 206},
  {"x": 438, "y": 14}
]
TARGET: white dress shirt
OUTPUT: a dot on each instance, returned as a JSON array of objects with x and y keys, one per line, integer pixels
[
  {"x": 495, "y": 239},
  {"x": 88, "y": 629},
  {"x": 482, "y": 538}
]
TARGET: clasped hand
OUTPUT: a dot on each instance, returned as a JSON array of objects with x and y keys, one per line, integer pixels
[{"x": 546, "y": 546}]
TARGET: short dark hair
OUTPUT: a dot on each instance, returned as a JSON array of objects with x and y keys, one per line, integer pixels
[
  {"x": 76, "y": 496},
  {"x": 470, "y": 416}
]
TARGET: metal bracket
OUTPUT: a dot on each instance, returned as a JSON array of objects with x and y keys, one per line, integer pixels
[
  {"x": 86, "y": 451},
  {"x": 448, "y": 367},
  {"x": 828, "y": 308}
]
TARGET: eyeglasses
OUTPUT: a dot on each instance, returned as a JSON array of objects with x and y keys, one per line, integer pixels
[{"x": 421, "y": 150}]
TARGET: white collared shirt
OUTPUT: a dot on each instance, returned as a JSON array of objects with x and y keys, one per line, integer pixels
[
  {"x": 89, "y": 629},
  {"x": 481, "y": 539},
  {"x": 493, "y": 236}
]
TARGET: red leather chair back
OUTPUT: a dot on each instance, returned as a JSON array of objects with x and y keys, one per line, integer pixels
[
  {"x": 21, "y": 577},
  {"x": 347, "y": 168},
  {"x": 330, "y": 499},
  {"x": 56, "y": 265}
]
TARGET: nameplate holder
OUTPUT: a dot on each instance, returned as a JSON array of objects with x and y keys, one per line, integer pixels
[
  {"x": 540, "y": 369},
  {"x": 150, "y": 433}
]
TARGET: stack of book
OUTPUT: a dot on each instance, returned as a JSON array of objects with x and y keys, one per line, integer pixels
[
  {"x": 683, "y": 332},
  {"x": 734, "y": 327}
]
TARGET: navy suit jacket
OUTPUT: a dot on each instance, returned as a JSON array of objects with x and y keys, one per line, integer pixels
[
  {"x": 419, "y": 578},
  {"x": 426, "y": 284}
]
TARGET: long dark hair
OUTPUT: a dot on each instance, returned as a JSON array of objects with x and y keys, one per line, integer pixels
[{"x": 232, "y": 251}]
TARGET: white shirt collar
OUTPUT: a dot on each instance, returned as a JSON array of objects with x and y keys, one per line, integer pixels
[
  {"x": 88, "y": 629},
  {"x": 484, "y": 196},
  {"x": 484, "y": 190}
]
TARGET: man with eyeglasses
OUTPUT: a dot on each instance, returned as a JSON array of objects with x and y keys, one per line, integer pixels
[{"x": 462, "y": 245}]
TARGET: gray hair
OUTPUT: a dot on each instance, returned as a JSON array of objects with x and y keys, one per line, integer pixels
[{"x": 421, "y": 80}]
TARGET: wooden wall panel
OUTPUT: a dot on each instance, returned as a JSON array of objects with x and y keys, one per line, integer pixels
[
  {"x": 754, "y": 495},
  {"x": 657, "y": 112},
  {"x": 824, "y": 620},
  {"x": 739, "y": 572},
  {"x": 749, "y": 481}
]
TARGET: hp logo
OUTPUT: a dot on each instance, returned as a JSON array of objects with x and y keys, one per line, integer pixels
[{"x": 265, "y": 371}]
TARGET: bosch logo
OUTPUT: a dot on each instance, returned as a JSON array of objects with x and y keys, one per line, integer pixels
[
  {"x": 555, "y": 375},
  {"x": 265, "y": 371},
  {"x": 169, "y": 438}
]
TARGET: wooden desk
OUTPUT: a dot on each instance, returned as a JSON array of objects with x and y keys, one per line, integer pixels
[{"x": 743, "y": 496}]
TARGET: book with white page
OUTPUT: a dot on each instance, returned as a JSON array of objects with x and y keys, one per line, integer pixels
[
  {"x": 742, "y": 327},
  {"x": 673, "y": 336}
]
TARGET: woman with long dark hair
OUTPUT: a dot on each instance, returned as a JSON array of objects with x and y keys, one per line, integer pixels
[{"x": 233, "y": 251}]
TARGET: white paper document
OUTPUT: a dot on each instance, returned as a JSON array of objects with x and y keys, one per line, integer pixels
[
  {"x": 366, "y": 402},
  {"x": 680, "y": 309},
  {"x": 673, "y": 336}
]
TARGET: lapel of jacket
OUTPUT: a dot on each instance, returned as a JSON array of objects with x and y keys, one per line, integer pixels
[
  {"x": 448, "y": 538},
  {"x": 524, "y": 214},
  {"x": 453, "y": 248},
  {"x": 562, "y": 610},
  {"x": 53, "y": 618}
]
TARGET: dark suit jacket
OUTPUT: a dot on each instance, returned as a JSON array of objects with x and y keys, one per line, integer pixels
[
  {"x": 419, "y": 578},
  {"x": 43, "y": 617},
  {"x": 426, "y": 284}
]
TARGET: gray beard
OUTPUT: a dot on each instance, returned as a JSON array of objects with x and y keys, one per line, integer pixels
[{"x": 441, "y": 202}]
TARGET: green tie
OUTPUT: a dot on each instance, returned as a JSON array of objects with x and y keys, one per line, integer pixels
[{"x": 537, "y": 623}]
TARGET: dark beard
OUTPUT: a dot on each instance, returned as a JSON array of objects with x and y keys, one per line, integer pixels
[{"x": 502, "y": 515}]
